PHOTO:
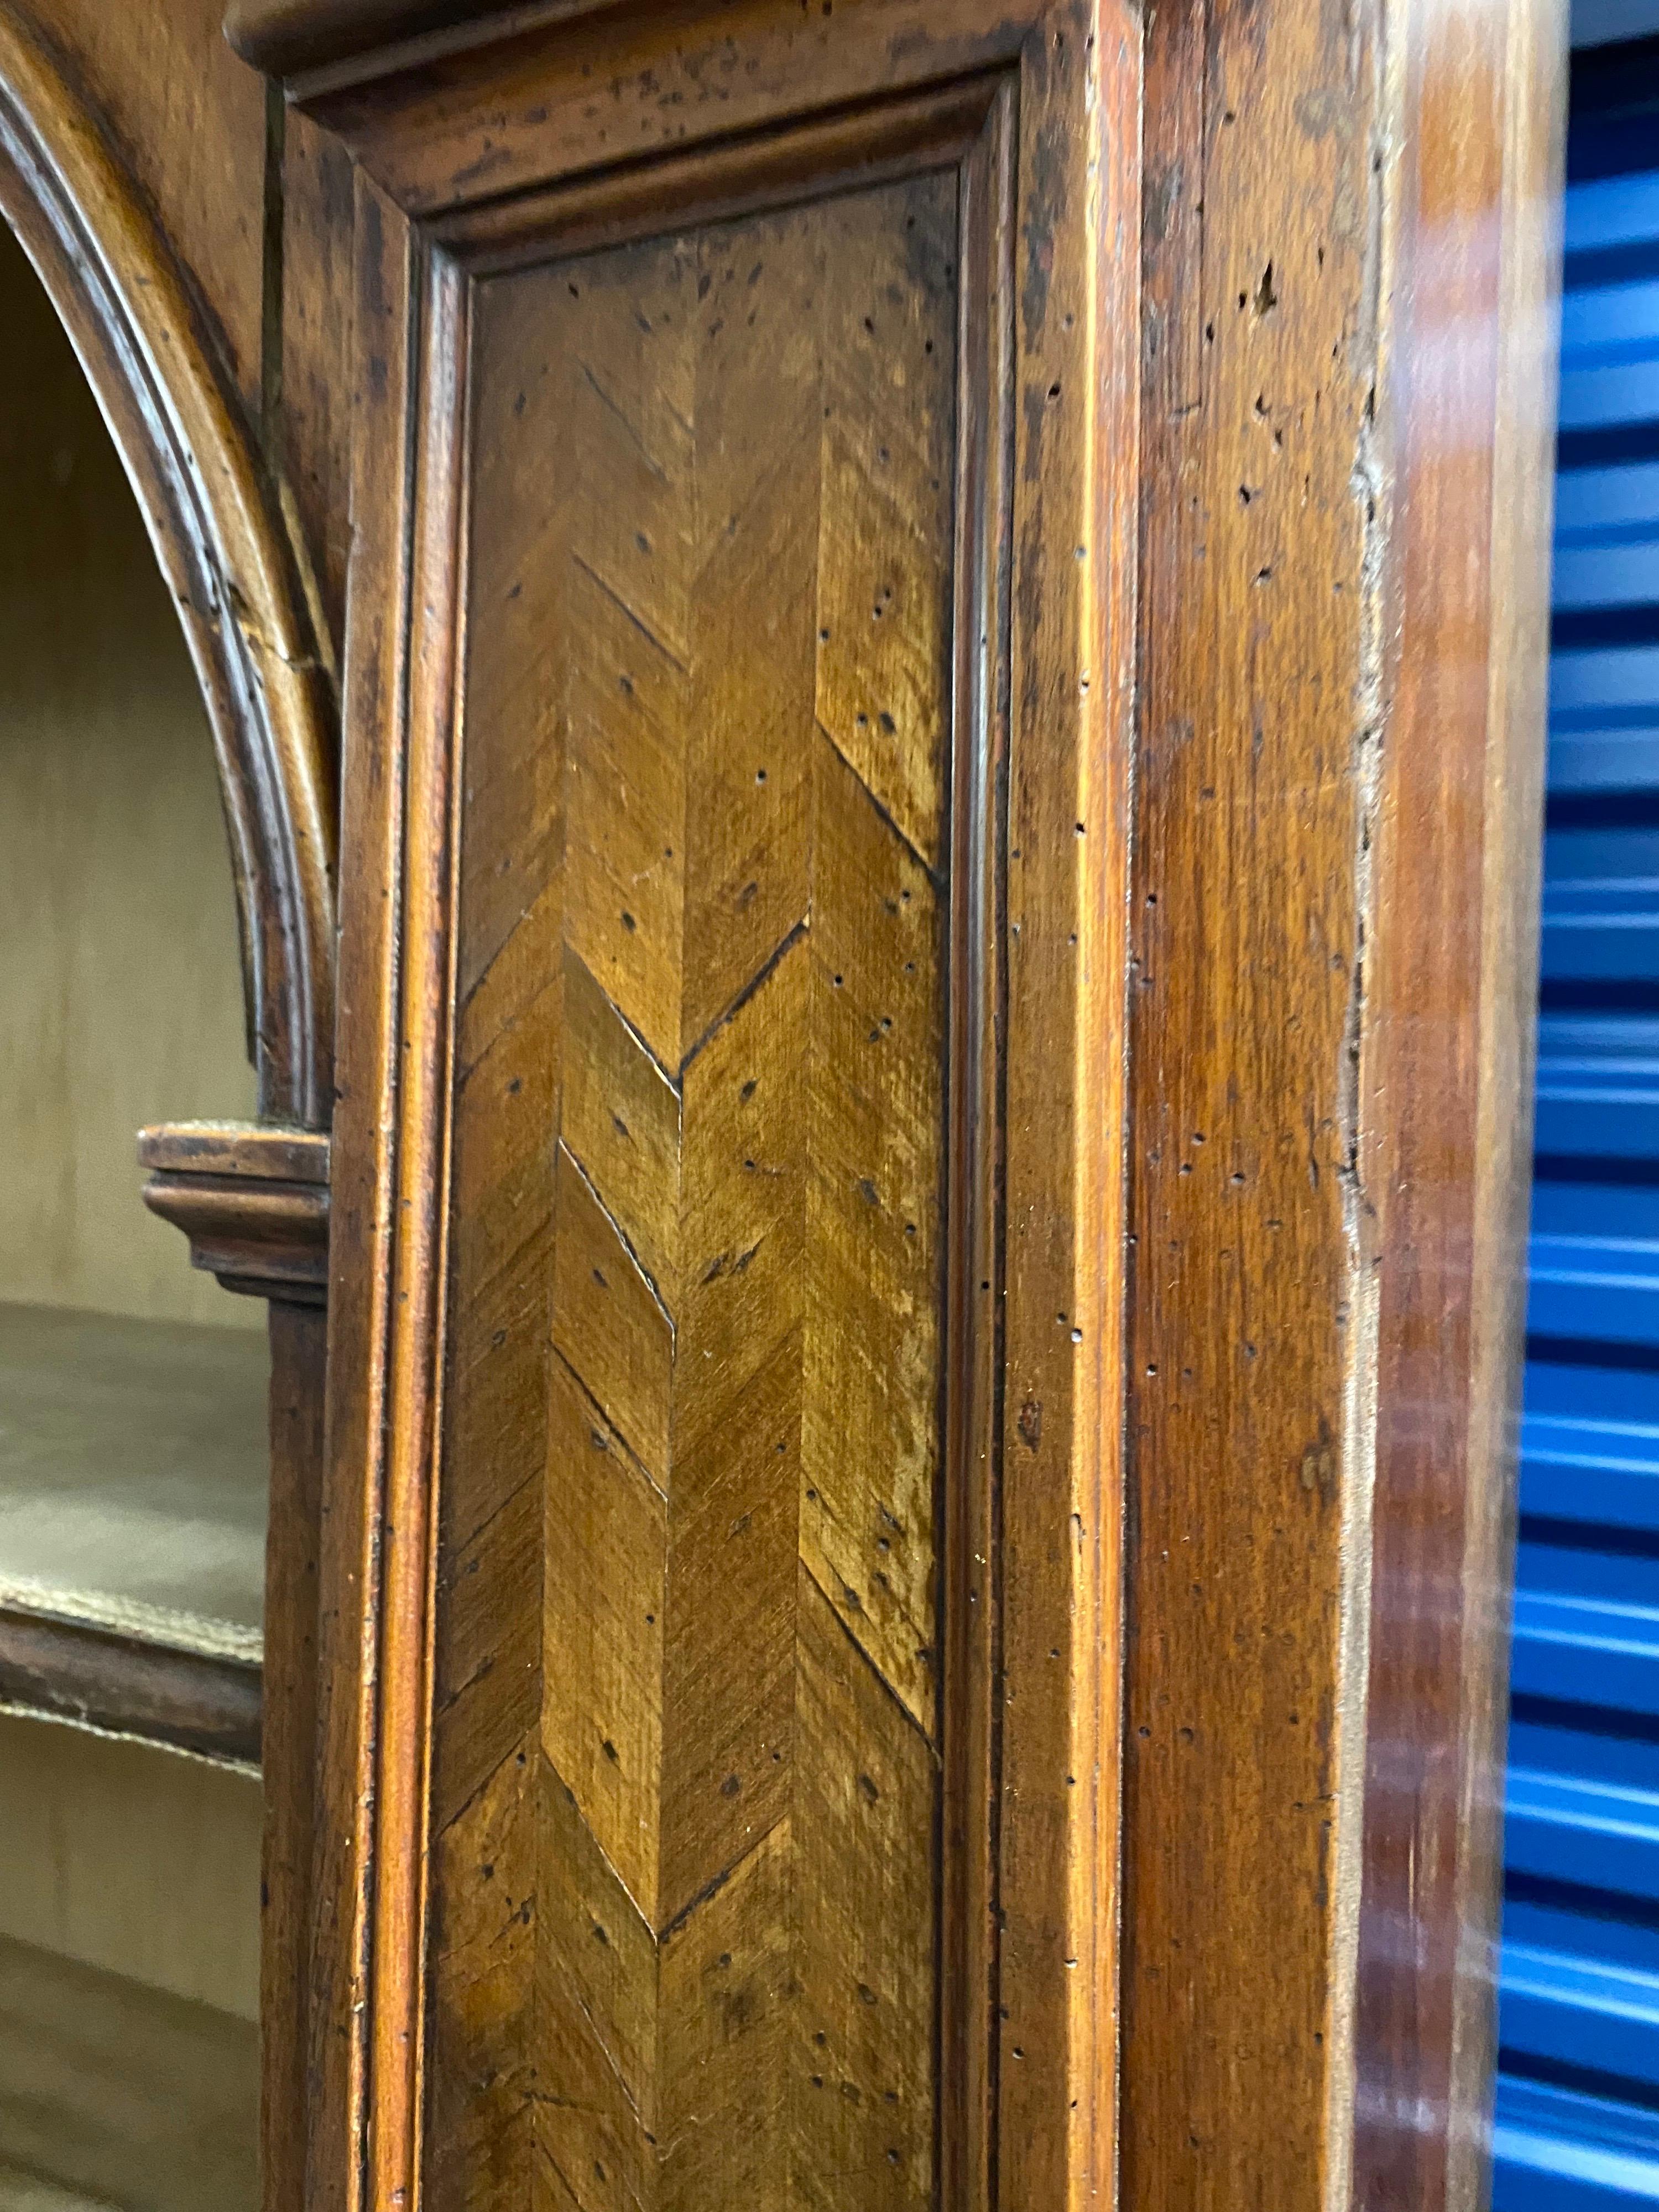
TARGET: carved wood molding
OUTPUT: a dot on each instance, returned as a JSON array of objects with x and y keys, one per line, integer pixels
[
  {"x": 213, "y": 522},
  {"x": 295, "y": 38},
  {"x": 252, "y": 1198}
]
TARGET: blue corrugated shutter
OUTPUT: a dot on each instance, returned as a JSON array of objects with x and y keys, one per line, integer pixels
[{"x": 1578, "y": 2084}]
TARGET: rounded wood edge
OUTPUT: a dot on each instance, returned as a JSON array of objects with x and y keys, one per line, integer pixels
[
  {"x": 286, "y": 37},
  {"x": 92, "y": 1677},
  {"x": 317, "y": 47},
  {"x": 252, "y": 1198},
  {"x": 259, "y": 1151},
  {"x": 233, "y": 571}
]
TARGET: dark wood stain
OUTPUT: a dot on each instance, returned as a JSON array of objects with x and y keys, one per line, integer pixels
[{"x": 1095, "y": 1666}]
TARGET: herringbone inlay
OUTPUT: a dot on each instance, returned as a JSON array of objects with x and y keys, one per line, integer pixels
[{"x": 685, "y": 1785}]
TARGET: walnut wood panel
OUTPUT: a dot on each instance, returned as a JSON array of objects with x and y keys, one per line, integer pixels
[
  {"x": 315, "y": 413},
  {"x": 252, "y": 1197},
  {"x": 1347, "y": 239},
  {"x": 1246, "y": 925},
  {"x": 698, "y": 1222},
  {"x": 720, "y": 1745},
  {"x": 1448, "y": 1067}
]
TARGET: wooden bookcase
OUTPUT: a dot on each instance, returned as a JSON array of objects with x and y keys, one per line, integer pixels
[{"x": 891, "y": 1200}]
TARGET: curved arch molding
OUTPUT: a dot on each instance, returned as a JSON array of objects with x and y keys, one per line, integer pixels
[{"x": 122, "y": 297}]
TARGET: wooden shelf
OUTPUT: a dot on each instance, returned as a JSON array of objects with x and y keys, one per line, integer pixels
[
  {"x": 133, "y": 1485},
  {"x": 112, "y": 2093}
]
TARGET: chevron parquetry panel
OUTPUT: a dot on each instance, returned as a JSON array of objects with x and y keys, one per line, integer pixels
[{"x": 686, "y": 1787}]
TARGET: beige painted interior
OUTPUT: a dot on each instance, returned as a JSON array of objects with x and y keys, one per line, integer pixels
[
  {"x": 120, "y": 985},
  {"x": 138, "y": 1861}
]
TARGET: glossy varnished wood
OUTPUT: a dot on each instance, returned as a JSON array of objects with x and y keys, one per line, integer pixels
[
  {"x": 1447, "y": 1064},
  {"x": 1336, "y": 838}
]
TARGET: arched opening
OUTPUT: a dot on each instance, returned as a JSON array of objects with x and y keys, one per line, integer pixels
[{"x": 133, "y": 1449}]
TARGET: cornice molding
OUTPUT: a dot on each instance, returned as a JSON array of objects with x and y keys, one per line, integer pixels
[{"x": 253, "y": 1199}]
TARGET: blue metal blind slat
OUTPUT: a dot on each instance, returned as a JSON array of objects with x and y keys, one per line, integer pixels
[{"x": 1578, "y": 2122}]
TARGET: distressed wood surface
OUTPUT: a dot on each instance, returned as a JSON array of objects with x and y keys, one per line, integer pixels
[
  {"x": 284, "y": 36},
  {"x": 688, "y": 1649},
  {"x": 766, "y": 567},
  {"x": 187, "y": 122},
  {"x": 134, "y": 169},
  {"x": 1347, "y": 229},
  {"x": 350, "y": 1556},
  {"x": 311, "y": 376},
  {"x": 251, "y": 1196},
  {"x": 1246, "y": 1316}
]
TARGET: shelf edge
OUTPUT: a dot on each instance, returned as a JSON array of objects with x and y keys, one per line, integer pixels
[{"x": 94, "y": 1678}]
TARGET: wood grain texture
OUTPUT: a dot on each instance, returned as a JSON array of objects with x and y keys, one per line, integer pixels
[
  {"x": 1336, "y": 837},
  {"x": 764, "y": 570},
  {"x": 187, "y": 122},
  {"x": 313, "y": 411},
  {"x": 684, "y": 919},
  {"x": 361, "y": 1207},
  {"x": 1246, "y": 1312},
  {"x": 132, "y": 167},
  {"x": 709, "y": 1319},
  {"x": 1328, "y": 933},
  {"x": 252, "y": 1197},
  {"x": 456, "y": 128}
]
